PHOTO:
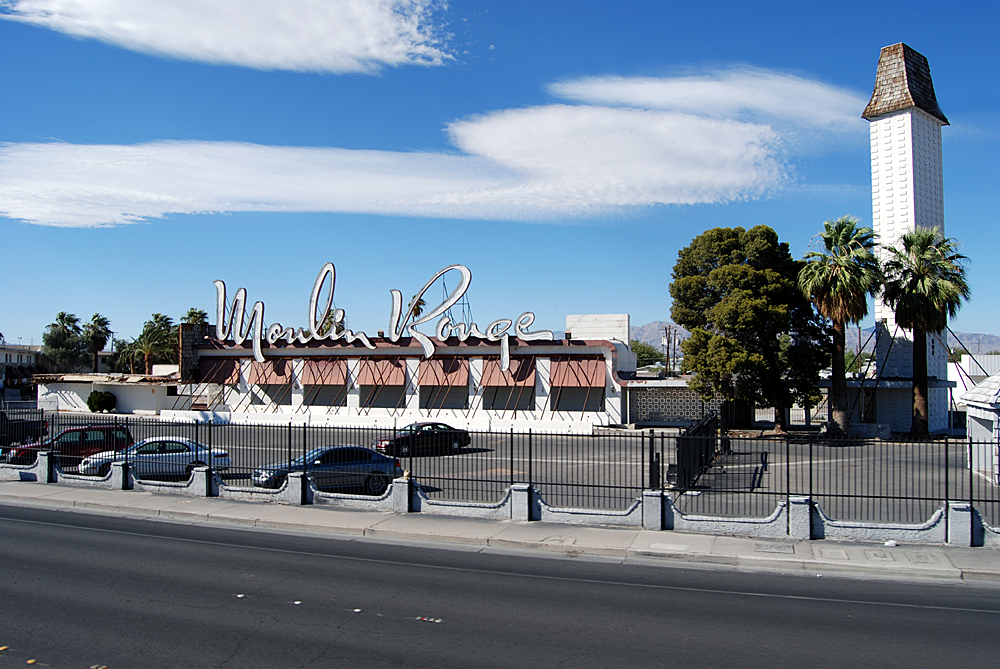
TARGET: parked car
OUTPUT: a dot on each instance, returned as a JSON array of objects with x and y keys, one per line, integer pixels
[
  {"x": 423, "y": 438},
  {"x": 21, "y": 430},
  {"x": 350, "y": 467},
  {"x": 158, "y": 456},
  {"x": 75, "y": 443}
]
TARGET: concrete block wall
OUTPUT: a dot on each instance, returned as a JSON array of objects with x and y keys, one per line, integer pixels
[{"x": 668, "y": 405}]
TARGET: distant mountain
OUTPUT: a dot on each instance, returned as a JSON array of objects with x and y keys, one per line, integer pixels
[
  {"x": 977, "y": 343},
  {"x": 652, "y": 333}
]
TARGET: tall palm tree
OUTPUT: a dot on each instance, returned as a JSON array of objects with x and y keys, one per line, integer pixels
[
  {"x": 838, "y": 279},
  {"x": 925, "y": 284},
  {"x": 195, "y": 316},
  {"x": 96, "y": 333}
]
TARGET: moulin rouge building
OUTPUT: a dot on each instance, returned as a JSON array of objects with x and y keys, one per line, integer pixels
[{"x": 429, "y": 367}]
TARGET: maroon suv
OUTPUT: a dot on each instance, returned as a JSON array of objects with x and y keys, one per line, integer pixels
[{"x": 75, "y": 444}]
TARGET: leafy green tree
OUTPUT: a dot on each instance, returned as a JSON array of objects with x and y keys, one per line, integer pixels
[
  {"x": 856, "y": 363},
  {"x": 122, "y": 358},
  {"x": 838, "y": 279},
  {"x": 925, "y": 284},
  {"x": 63, "y": 344},
  {"x": 96, "y": 333},
  {"x": 646, "y": 354},
  {"x": 754, "y": 335},
  {"x": 195, "y": 316},
  {"x": 330, "y": 325}
]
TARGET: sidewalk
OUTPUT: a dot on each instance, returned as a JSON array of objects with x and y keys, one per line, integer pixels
[{"x": 819, "y": 558}]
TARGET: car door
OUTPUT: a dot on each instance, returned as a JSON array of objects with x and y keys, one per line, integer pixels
[
  {"x": 120, "y": 440},
  {"x": 425, "y": 439},
  {"x": 357, "y": 466},
  {"x": 174, "y": 458},
  {"x": 68, "y": 444},
  {"x": 95, "y": 441},
  {"x": 144, "y": 461},
  {"x": 442, "y": 438},
  {"x": 327, "y": 471}
]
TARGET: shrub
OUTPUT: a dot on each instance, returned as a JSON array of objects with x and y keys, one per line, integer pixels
[{"x": 99, "y": 401}]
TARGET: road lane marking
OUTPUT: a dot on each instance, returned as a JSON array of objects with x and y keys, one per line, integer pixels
[{"x": 495, "y": 572}]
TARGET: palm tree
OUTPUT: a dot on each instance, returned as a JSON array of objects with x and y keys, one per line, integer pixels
[
  {"x": 925, "y": 284},
  {"x": 195, "y": 316},
  {"x": 839, "y": 280},
  {"x": 66, "y": 322},
  {"x": 418, "y": 305},
  {"x": 62, "y": 343},
  {"x": 153, "y": 343},
  {"x": 96, "y": 333}
]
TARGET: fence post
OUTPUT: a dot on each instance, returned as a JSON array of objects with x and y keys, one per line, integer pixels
[
  {"x": 788, "y": 484},
  {"x": 531, "y": 479},
  {"x": 947, "y": 490},
  {"x": 511, "y": 444},
  {"x": 654, "y": 474},
  {"x": 972, "y": 479}
]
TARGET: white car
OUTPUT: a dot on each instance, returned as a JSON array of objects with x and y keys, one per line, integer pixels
[{"x": 158, "y": 456}]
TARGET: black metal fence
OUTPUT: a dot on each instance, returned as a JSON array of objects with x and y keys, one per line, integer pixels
[{"x": 865, "y": 480}]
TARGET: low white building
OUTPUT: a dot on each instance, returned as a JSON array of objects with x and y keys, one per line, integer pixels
[
  {"x": 134, "y": 393},
  {"x": 983, "y": 426}
]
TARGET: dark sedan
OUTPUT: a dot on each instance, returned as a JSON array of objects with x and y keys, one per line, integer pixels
[
  {"x": 423, "y": 438},
  {"x": 352, "y": 468}
]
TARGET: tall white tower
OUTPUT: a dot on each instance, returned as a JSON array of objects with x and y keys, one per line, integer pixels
[{"x": 907, "y": 191}]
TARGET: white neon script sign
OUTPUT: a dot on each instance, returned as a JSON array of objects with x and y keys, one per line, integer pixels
[{"x": 400, "y": 325}]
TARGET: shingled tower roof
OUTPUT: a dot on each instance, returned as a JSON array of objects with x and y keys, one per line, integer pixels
[{"x": 903, "y": 81}]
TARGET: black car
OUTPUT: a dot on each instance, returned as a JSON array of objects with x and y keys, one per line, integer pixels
[
  {"x": 423, "y": 438},
  {"x": 352, "y": 468}
]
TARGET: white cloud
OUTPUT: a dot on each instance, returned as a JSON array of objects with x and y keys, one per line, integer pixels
[
  {"x": 307, "y": 35},
  {"x": 85, "y": 185},
  {"x": 623, "y": 150},
  {"x": 748, "y": 94},
  {"x": 578, "y": 158}
]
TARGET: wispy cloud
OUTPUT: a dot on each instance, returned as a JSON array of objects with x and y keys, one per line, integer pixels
[
  {"x": 621, "y": 150},
  {"x": 741, "y": 93},
  {"x": 307, "y": 35}
]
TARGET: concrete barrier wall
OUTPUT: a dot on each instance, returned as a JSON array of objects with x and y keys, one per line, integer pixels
[{"x": 956, "y": 523}]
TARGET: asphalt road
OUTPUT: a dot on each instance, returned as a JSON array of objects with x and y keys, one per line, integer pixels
[{"x": 82, "y": 591}]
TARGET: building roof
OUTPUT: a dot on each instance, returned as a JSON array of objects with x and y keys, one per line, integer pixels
[
  {"x": 108, "y": 379},
  {"x": 903, "y": 81},
  {"x": 986, "y": 392}
]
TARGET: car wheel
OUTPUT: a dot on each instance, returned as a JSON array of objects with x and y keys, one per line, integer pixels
[
  {"x": 403, "y": 450},
  {"x": 376, "y": 484},
  {"x": 190, "y": 468},
  {"x": 456, "y": 446},
  {"x": 104, "y": 469}
]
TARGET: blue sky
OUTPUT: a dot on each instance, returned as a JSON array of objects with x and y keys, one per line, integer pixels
[{"x": 563, "y": 151}]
